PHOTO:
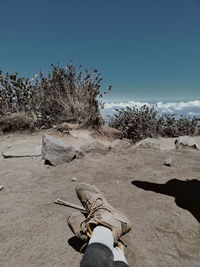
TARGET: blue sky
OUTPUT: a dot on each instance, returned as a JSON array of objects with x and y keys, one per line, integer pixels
[{"x": 148, "y": 50}]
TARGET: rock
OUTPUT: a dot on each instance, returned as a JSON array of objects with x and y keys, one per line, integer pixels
[
  {"x": 120, "y": 145},
  {"x": 148, "y": 143},
  {"x": 63, "y": 130},
  {"x": 73, "y": 179},
  {"x": 168, "y": 162},
  {"x": 94, "y": 148},
  {"x": 55, "y": 151},
  {"x": 186, "y": 142},
  {"x": 111, "y": 132},
  {"x": 21, "y": 152}
]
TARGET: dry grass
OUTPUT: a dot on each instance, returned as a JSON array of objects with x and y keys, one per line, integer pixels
[{"x": 16, "y": 122}]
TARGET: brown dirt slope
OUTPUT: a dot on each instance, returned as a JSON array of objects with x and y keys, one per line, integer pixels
[{"x": 162, "y": 202}]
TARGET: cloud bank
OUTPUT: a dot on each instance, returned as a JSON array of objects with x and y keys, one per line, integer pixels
[{"x": 187, "y": 108}]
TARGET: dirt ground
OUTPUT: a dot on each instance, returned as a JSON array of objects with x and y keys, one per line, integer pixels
[{"x": 162, "y": 202}]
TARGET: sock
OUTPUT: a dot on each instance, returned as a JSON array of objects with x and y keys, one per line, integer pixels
[
  {"x": 119, "y": 255},
  {"x": 102, "y": 235}
]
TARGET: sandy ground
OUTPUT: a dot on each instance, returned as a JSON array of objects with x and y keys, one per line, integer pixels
[{"x": 162, "y": 202}]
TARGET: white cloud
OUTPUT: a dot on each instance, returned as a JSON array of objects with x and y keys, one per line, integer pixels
[
  {"x": 194, "y": 113},
  {"x": 160, "y": 105},
  {"x": 179, "y": 105},
  {"x": 125, "y": 104},
  {"x": 191, "y": 108}
]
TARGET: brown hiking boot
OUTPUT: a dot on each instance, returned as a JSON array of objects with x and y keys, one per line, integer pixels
[
  {"x": 76, "y": 223},
  {"x": 100, "y": 212}
]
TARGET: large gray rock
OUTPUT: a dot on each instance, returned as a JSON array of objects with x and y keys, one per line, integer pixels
[
  {"x": 94, "y": 148},
  {"x": 55, "y": 151},
  {"x": 148, "y": 143},
  {"x": 186, "y": 142}
]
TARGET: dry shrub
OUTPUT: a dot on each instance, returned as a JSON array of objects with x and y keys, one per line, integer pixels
[
  {"x": 140, "y": 123},
  {"x": 169, "y": 126},
  {"x": 135, "y": 123},
  {"x": 16, "y": 122},
  {"x": 70, "y": 94}
]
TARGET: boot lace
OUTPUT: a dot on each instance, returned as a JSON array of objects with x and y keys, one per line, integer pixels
[{"x": 91, "y": 213}]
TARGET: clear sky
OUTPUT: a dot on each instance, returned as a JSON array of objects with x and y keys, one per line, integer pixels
[{"x": 149, "y": 50}]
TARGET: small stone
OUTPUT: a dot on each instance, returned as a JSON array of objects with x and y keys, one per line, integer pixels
[
  {"x": 168, "y": 162},
  {"x": 73, "y": 179}
]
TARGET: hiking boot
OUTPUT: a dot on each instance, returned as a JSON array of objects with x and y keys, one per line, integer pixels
[
  {"x": 100, "y": 212},
  {"x": 76, "y": 223}
]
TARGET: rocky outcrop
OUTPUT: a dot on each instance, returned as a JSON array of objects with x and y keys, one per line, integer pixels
[
  {"x": 94, "y": 148},
  {"x": 186, "y": 142},
  {"x": 55, "y": 151},
  {"x": 111, "y": 132},
  {"x": 120, "y": 146},
  {"x": 148, "y": 143}
]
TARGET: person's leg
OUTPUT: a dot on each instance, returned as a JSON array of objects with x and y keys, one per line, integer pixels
[
  {"x": 104, "y": 236},
  {"x": 119, "y": 258},
  {"x": 99, "y": 251},
  {"x": 103, "y": 224}
]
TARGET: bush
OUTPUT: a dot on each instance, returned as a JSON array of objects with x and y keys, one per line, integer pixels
[
  {"x": 16, "y": 94},
  {"x": 69, "y": 94},
  {"x": 72, "y": 95},
  {"x": 140, "y": 123},
  {"x": 169, "y": 126}
]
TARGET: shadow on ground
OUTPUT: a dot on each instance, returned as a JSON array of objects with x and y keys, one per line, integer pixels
[
  {"x": 186, "y": 193},
  {"x": 77, "y": 244}
]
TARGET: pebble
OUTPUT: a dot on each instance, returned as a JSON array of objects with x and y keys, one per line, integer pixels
[
  {"x": 168, "y": 162},
  {"x": 73, "y": 179}
]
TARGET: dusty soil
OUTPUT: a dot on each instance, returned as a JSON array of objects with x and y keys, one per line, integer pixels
[{"x": 162, "y": 202}]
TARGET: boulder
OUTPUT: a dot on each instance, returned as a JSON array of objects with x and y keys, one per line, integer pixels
[
  {"x": 186, "y": 142},
  {"x": 94, "y": 148},
  {"x": 148, "y": 143},
  {"x": 55, "y": 151},
  {"x": 120, "y": 145}
]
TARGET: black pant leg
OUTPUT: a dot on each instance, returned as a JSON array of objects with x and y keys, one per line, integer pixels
[
  {"x": 97, "y": 255},
  {"x": 119, "y": 264}
]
